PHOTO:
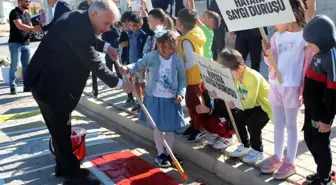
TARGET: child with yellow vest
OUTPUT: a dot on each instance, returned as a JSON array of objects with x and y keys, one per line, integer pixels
[{"x": 192, "y": 40}]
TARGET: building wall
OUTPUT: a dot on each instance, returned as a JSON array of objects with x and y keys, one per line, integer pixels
[
  {"x": 327, "y": 7},
  {"x": 6, "y": 7}
]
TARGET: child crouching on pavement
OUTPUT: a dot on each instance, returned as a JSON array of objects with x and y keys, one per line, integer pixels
[
  {"x": 220, "y": 132},
  {"x": 165, "y": 90},
  {"x": 253, "y": 90},
  {"x": 319, "y": 96}
]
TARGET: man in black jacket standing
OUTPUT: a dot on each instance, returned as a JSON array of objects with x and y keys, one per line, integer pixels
[
  {"x": 218, "y": 43},
  {"x": 249, "y": 42},
  {"x": 59, "y": 8},
  {"x": 112, "y": 37},
  {"x": 57, "y": 76},
  {"x": 85, "y": 5}
]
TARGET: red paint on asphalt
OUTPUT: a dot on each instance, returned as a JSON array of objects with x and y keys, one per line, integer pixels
[{"x": 125, "y": 168}]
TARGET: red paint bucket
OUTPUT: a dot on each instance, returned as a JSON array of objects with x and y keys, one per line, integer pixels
[{"x": 78, "y": 143}]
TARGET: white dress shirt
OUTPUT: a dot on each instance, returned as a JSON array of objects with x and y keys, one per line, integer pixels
[{"x": 53, "y": 9}]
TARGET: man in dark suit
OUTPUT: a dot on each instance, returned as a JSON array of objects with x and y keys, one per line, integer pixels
[
  {"x": 249, "y": 42},
  {"x": 59, "y": 8},
  {"x": 58, "y": 72}
]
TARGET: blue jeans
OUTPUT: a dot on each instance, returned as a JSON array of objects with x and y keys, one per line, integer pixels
[{"x": 18, "y": 50}]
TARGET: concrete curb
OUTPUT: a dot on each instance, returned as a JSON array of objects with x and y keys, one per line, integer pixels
[
  {"x": 4, "y": 34},
  {"x": 209, "y": 159}
]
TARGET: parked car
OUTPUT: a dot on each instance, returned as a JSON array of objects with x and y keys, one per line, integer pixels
[{"x": 35, "y": 21}]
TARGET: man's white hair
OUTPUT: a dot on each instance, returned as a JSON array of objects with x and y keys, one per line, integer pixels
[{"x": 104, "y": 6}]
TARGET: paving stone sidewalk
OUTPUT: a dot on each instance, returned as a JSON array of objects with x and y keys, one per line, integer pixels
[
  {"x": 304, "y": 162},
  {"x": 25, "y": 158}
]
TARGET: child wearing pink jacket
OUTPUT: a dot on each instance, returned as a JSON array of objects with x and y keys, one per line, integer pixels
[{"x": 292, "y": 59}]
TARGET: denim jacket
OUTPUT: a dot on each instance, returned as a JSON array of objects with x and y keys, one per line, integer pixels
[
  {"x": 153, "y": 62},
  {"x": 141, "y": 41}
]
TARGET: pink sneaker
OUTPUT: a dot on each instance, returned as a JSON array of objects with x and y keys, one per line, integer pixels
[
  {"x": 270, "y": 165},
  {"x": 284, "y": 171}
]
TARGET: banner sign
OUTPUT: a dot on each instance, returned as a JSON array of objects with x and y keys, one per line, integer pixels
[
  {"x": 219, "y": 79},
  {"x": 248, "y": 14}
]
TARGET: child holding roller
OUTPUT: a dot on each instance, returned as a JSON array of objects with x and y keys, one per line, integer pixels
[{"x": 165, "y": 90}]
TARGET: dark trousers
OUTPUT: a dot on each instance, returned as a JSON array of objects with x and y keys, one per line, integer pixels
[
  {"x": 218, "y": 42},
  {"x": 248, "y": 43},
  {"x": 192, "y": 99},
  {"x": 59, "y": 126},
  {"x": 319, "y": 146},
  {"x": 255, "y": 120},
  {"x": 94, "y": 85}
]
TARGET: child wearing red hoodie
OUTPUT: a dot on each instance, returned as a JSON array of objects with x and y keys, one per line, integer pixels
[{"x": 219, "y": 131}]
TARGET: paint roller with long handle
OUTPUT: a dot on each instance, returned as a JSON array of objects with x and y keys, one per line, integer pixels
[{"x": 178, "y": 166}]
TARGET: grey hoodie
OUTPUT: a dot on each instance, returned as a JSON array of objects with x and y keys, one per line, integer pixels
[{"x": 321, "y": 32}]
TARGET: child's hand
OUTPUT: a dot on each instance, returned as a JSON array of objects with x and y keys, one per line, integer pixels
[
  {"x": 231, "y": 105},
  {"x": 301, "y": 100},
  {"x": 232, "y": 35},
  {"x": 214, "y": 94},
  {"x": 202, "y": 109},
  {"x": 144, "y": 4},
  {"x": 112, "y": 53},
  {"x": 123, "y": 70},
  {"x": 266, "y": 46},
  {"x": 323, "y": 128},
  {"x": 178, "y": 99}
]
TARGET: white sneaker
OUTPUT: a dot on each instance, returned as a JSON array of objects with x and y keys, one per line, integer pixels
[
  {"x": 240, "y": 151},
  {"x": 253, "y": 157},
  {"x": 196, "y": 136},
  {"x": 200, "y": 135},
  {"x": 211, "y": 138},
  {"x": 222, "y": 143}
]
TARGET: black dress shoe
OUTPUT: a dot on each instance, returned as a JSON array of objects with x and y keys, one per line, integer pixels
[
  {"x": 83, "y": 172},
  {"x": 26, "y": 89},
  {"x": 95, "y": 93},
  {"x": 81, "y": 181},
  {"x": 13, "y": 91}
]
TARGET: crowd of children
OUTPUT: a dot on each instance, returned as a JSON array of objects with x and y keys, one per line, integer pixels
[{"x": 158, "y": 51}]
